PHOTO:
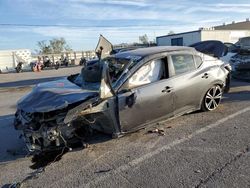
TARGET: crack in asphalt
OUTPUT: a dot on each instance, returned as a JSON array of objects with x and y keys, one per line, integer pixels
[{"x": 220, "y": 169}]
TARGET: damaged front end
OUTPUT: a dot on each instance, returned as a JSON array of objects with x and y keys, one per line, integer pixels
[
  {"x": 65, "y": 128},
  {"x": 43, "y": 131},
  {"x": 60, "y": 113},
  {"x": 66, "y": 125}
]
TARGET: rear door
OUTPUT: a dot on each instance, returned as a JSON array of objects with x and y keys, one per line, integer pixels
[
  {"x": 187, "y": 82},
  {"x": 149, "y": 97}
]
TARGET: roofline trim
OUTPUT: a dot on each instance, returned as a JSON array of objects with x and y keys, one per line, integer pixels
[{"x": 179, "y": 34}]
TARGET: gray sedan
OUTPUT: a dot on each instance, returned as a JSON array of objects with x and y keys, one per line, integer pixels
[{"x": 129, "y": 91}]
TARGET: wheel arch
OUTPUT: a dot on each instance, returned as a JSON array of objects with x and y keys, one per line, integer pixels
[{"x": 216, "y": 82}]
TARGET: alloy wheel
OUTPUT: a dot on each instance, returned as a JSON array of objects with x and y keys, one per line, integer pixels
[{"x": 213, "y": 98}]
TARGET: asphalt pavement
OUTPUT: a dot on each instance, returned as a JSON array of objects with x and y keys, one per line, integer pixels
[{"x": 202, "y": 149}]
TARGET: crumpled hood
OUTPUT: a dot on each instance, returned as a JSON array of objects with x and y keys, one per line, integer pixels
[{"x": 50, "y": 96}]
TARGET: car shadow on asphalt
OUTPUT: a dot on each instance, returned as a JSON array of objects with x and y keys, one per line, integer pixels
[
  {"x": 43, "y": 159},
  {"x": 238, "y": 83},
  {"x": 25, "y": 83},
  {"x": 12, "y": 146},
  {"x": 236, "y": 97},
  {"x": 239, "y": 91}
]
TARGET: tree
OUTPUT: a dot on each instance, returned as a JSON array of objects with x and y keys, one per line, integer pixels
[
  {"x": 59, "y": 45},
  {"x": 44, "y": 48},
  {"x": 56, "y": 45},
  {"x": 143, "y": 39}
]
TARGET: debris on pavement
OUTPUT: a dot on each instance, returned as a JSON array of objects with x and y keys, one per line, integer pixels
[
  {"x": 161, "y": 132},
  {"x": 197, "y": 171},
  {"x": 85, "y": 145},
  {"x": 103, "y": 171},
  {"x": 153, "y": 131}
]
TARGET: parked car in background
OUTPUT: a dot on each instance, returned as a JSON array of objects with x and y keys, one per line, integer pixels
[
  {"x": 135, "y": 88},
  {"x": 244, "y": 43}
]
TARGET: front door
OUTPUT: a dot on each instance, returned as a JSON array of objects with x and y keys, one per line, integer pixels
[{"x": 148, "y": 102}]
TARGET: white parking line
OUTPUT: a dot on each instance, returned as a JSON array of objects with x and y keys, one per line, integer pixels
[{"x": 166, "y": 147}]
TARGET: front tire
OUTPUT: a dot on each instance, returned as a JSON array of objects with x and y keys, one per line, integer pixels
[{"x": 212, "y": 98}]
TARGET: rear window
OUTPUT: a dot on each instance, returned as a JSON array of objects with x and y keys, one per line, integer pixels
[{"x": 183, "y": 63}]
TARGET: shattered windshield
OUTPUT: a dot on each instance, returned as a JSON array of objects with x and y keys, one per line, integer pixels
[
  {"x": 118, "y": 68},
  {"x": 91, "y": 74}
]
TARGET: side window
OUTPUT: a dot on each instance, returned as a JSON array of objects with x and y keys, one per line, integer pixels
[
  {"x": 149, "y": 73},
  {"x": 183, "y": 63},
  {"x": 198, "y": 61}
]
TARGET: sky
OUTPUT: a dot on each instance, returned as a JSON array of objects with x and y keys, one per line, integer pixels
[{"x": 25, "y": 22}]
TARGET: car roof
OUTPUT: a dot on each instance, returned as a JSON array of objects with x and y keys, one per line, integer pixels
[{"x": 143, "y": 52}]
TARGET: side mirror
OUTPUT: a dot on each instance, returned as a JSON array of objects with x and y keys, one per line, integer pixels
[{"x": 130, "y": 100}]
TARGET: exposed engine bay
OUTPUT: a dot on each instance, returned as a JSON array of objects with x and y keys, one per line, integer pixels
[{"x": 45, "y": 131}]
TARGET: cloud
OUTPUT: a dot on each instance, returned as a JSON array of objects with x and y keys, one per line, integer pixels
[
  {"x": 97, "y": 10},
  {"x": 127, "y": 9},
  {"x": 138, "y": 3},
  {"x": 86, "y": 38},
  {"x": 219, "y": 8},
  {"x": 6, "y": 39},
  {"x": 104, "y": 11},
  {"x": 115, "y": 34},
  {"x": 119, "y": 21},
  {"x": 232, "y": 5}
]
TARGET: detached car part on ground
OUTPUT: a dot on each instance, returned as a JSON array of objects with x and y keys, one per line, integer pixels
[{"x": 135, "y": 88}]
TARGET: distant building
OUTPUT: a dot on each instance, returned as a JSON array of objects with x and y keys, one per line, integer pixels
[
  {"x": 10, "y": 58},
  {"x": 225, "y": 33}
]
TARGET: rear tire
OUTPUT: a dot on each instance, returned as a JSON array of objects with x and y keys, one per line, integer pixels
[{"x": 212, "y": 98}]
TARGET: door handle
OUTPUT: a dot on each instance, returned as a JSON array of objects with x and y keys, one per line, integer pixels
[
  {"x": 205, "y": 76},
  {"x": 167, "y": 89}
]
